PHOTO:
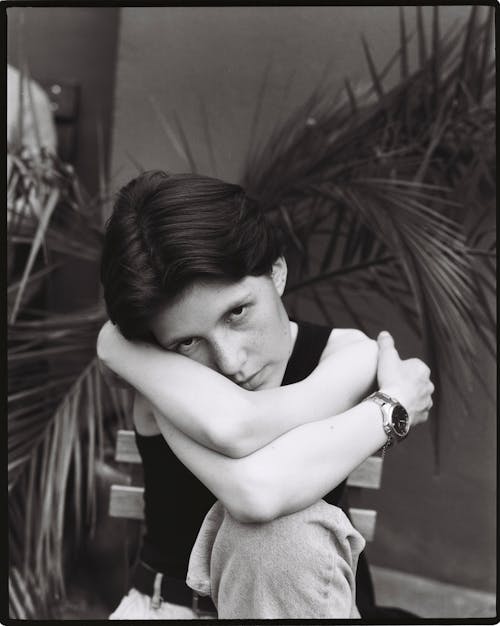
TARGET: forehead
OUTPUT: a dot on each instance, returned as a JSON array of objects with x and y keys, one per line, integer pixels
[{"x": 203, "y": 303}]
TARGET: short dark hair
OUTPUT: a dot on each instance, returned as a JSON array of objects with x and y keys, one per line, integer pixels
[{"x": 168, "y": 230}]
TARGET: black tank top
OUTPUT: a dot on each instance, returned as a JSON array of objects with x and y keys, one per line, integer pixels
[{"x": 176, "y": 502}]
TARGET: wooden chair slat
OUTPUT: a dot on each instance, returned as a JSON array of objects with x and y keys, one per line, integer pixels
[
  {"x": 126, "y": 502},
  {"x": 126, "y": 448},
  {"x": 364, "y": 520},
  {"x": 368, "y": 474}
]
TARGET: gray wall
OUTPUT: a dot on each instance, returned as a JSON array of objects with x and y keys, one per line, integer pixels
[
  {"x": 442, "y": 526},
  {"x": 72, "y": 45},
  {"x": 181, "y": 55}
]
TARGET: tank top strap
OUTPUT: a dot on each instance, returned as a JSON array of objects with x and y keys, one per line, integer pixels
[{"x": 309, "y": 345}]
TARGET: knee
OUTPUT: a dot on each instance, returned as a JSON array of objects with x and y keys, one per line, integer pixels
[
  {"x": 287, "y": 567},
  {"x": 291, "y": 539}
]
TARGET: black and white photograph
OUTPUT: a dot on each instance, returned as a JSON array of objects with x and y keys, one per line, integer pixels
[{"x": 251, "y": 312}]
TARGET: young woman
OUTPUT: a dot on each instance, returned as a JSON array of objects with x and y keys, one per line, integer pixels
[{"x": 193, "y": 276}]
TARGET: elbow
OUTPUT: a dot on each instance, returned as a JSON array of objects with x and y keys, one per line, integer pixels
[
  {"x": 233, "y": 450},
  {"x": 229, "y": 441},
  {"x": 234, "y": 436},
  {"x": 252, "y": 511},
  {"x": 253, "y": 500}
]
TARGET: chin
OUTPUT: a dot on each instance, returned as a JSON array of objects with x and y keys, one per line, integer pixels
[{"x": 272, "y": 381}]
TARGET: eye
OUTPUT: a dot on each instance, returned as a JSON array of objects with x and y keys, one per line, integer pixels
[
  {"x": 186, "y": 344},
  {"x": 238, "y": 311}
]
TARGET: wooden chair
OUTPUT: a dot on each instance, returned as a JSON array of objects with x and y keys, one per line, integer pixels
[{"x": 126, "y": 501}]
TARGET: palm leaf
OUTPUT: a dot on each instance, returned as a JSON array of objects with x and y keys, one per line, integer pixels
[
  {"x": 208, "y": 137},
  {"x": 55, "y": 397},
  {"x": 388, "y": 178},
  {"x": 376, "y": 82},
  {"x": 168, "y": 130},
  {"x": 436, "y": 55},
  {"x": 45, "y": 213},
  {"x": 185, "y": 143}
]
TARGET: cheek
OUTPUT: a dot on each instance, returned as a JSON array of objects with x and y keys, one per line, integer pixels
[
  {"x": 202, "y": 356},
  {"x": 271, "y": 335}
]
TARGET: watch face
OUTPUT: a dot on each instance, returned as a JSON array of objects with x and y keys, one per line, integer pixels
[{"x": 400, "y": 421}]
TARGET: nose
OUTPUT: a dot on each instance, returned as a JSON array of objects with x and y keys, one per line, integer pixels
[{"x": 229, "y": 355}]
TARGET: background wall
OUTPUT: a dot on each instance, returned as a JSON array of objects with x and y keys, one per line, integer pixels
[
  {"x": 441, "y": 526},
  {"x": 182, "y": 56},
  {"x": 78, "y": 46},
  {"x": 72, "y": 45}
]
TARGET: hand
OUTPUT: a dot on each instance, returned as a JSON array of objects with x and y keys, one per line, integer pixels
[{"x": 408, "y": 381}]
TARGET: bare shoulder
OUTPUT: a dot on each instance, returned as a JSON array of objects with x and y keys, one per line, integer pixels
[
  {"x": 342, "y": 337},
  {"x": 143, "y": 415}
]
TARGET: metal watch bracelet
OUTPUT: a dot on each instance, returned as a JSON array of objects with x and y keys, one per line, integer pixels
[{"x": 380, "y": 399}]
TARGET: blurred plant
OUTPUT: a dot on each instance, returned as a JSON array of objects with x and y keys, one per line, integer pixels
[
  {"x": 391, "y": 194},
  {"x": 57, "y": 404}
]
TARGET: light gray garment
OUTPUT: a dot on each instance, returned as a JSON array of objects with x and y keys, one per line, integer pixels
[{"x": 298, "y": 566}]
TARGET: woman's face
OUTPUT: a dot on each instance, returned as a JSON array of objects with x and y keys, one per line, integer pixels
[{"x": 240, "y": 330}]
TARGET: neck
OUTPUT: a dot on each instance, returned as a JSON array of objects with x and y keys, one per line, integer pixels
[{"x": 294, "y": 329}]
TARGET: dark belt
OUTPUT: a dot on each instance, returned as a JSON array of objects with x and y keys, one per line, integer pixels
[{"x": 173, "y": 590}]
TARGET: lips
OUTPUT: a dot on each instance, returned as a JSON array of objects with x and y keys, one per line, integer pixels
[{"x": 251, "y": 382}]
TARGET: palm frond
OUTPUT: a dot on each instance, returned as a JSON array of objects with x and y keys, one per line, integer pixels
[
  {"x": 376, "y": 82},
  {"x": 168, "y": 130},
  {"x": 208, "y": 137},
  {"x": 393, "y": 178},
  {"x": 56, "y": 402},
  {"x": 44, "y": 214},
  {"x": 185, "y": 143}
]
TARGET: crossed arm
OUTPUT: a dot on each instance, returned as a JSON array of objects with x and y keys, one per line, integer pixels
[{"x": 290, "y": 445}]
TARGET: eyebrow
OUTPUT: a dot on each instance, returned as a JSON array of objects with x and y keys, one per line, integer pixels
[{"x": 237, "y": 301}]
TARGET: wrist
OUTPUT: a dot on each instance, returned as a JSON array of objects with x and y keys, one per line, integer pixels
[
  {"x": 396, "y": 393},
  {"x": 395, "y": 418}
]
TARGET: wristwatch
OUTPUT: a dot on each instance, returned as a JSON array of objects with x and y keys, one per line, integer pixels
[{"x": 395, "y": 418}]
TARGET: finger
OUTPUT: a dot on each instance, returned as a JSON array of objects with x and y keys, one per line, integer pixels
[
  {"x": 387, "y": 350},
  {"x": 385, "y": 339}
]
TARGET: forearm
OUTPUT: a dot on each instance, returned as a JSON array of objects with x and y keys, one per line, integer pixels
[
  {"x": 220, "y": 415},
  {"x": 335, "y": 385},
  {"x": 289, "y": 474}
]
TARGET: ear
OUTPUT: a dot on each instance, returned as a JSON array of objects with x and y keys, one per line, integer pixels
[{"x": 279, "y": 274}]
